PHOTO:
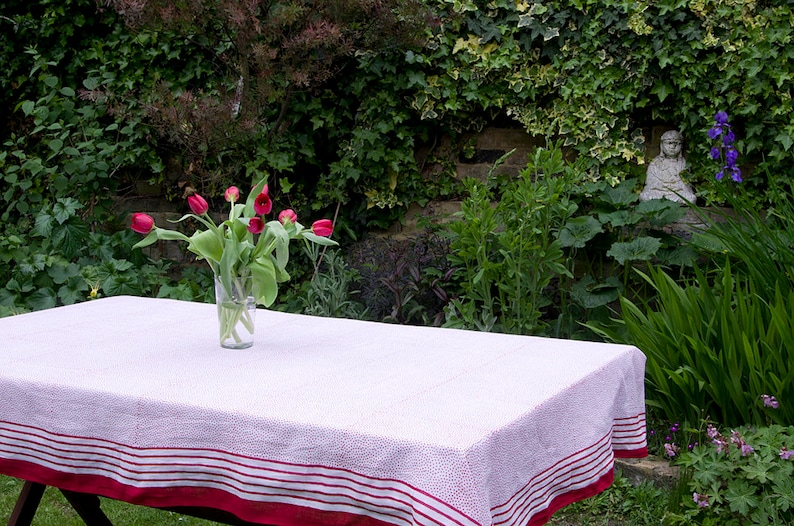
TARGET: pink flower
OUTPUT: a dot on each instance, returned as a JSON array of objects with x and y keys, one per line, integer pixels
[
  {"x": 232, "y": 194},
  {"x": 198, "y": 204},
  {"x": 770, "y": 401},
  {"x": 142, "y": 223},
  {"x": 670, "y": 449},
  {"x": 256, "y": 225},
  {"x": 700, "y": 500},
  {"x": 323, "y": 227},
  {"x": 288, "y": 215},
  {"x": 711, "y": 431},
  {"x": 785, "y": 454},
  {"x": 746, "y": 448},
  {"x": 263, "y": 204}
]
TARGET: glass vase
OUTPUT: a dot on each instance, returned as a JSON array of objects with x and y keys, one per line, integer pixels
[{"x": 236, "y": 312}]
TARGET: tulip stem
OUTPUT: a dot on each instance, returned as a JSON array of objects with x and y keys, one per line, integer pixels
[{"x": 235, "y": 314}]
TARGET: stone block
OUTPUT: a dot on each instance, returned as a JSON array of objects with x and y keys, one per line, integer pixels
[{"x": 652, "y": 469}]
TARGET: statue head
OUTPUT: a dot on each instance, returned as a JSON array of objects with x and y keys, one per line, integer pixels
[{"x": 671, "y": 144}]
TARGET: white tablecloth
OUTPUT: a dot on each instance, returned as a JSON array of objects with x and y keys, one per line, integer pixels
[{"x": 322, "y": 421}]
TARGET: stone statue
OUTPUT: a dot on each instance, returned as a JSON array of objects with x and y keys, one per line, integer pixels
[{"x": 663, "y": 176}]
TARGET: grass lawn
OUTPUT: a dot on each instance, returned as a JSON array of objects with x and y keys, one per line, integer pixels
[{"x": 621, "y": 504}]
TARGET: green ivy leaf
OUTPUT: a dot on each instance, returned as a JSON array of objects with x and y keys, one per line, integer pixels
[
  {"x": 662, "y": 90},
  {"x": 785, "y": 139}
]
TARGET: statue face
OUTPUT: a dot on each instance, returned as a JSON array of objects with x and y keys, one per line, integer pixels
[{"x": 671, "y": 147}]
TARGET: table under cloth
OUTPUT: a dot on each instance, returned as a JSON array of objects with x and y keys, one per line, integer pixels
[{"x": 322, "y": 421}]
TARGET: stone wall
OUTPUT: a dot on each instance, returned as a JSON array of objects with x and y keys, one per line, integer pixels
[{"x": 489, "y": 145}]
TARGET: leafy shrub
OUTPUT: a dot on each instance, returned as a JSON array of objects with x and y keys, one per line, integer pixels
[
  {"x": 609, "y": 236},
  {"x": 404, "y": 281},
  {"x": 759, "y": 242},
  {"x": 508, "y": 253},
  {"x": 713, "y": 348},
  {"x": 330, "y": 293},
  {"x": 595, "y": 74},
  {"x": 746, "y": 477}
]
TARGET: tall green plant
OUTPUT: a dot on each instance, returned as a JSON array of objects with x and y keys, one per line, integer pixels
[
  {"x": 759, "y": 242},
  {"x": 508, "y": 252},
  {"x": 713, "y": 348}
]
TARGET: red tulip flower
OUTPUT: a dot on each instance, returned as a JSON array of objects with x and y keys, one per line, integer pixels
[
  {"x": 288, "y": 215},
  {"x": 262, "y": 204},
  {"x": 232, "y": 252},
  {"x": 256, "y": 225},
  {"x": 232, "y": 194},
  {"x": 198, "y": 204},
  {"x": 323, "y": 227},
  {"x": 142, "y": 223}
]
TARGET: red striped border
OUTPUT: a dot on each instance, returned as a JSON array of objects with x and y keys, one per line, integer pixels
[
  {"x": 179, "y": 477},
  {"x": 629, "y": 439},
  {"x": 293, "y": 494}
]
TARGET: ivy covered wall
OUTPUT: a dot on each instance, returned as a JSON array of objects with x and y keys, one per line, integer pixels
[{"x": 95, "y": 102}]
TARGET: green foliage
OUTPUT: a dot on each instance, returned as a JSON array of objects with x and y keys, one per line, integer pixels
[
  {"x": 716, "y": 343},
  {"x": 739, "y": 486},
  {"x": 622, "y": 503},
  {"x": 508, "y": 252},
  {"x": 612, "y": 233},
  {"x": 404, "y": 281},
  {"x": 63, "y": 153},
  {"x": 759, "y": 243},
  {"x": 330, "y": 293},
  {"x": 58, "y": 260},
  {"x": 713, "y": 348},
  {"x": 596, "y": 73}
]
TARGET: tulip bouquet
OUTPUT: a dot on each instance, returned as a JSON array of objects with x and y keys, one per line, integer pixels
[{"x": 243, "y": 247}]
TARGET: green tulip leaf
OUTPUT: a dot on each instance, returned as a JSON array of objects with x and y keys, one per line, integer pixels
[
  {"x": 265, "y": 283},
  {"x": 203, "y": 243},
  {"x": 320, "y": 240}
]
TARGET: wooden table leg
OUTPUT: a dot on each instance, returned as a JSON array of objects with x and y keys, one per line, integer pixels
[
  {"x": 87, "y": 506},
  {"x": 27, "y": 504}
]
